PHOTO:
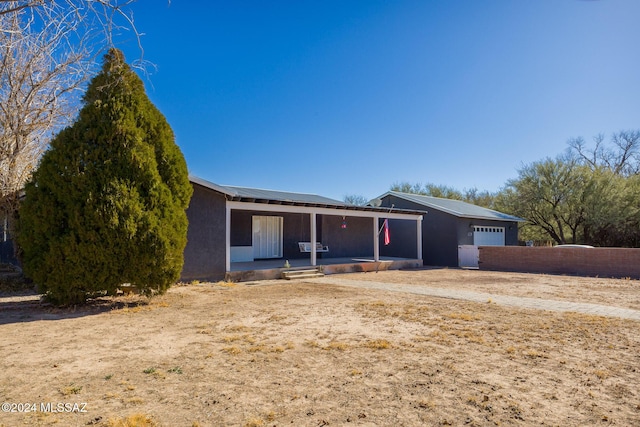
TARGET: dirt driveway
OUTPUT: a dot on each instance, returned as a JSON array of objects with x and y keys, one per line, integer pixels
[{"x": 294, "y": 353}]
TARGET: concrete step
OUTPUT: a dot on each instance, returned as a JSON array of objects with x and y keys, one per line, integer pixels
[
  {"x": 302, "y": 273},
  {"x": 303, "y": 276}
]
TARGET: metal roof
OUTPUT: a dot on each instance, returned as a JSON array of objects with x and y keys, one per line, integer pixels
[
  {"x": 257, "y": 195},
  {"x": 281, "y": 196},
  {"x": 454, "y": 207}
]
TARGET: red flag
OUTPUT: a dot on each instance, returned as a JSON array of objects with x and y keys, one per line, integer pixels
[{"x": 387, "y": 239}]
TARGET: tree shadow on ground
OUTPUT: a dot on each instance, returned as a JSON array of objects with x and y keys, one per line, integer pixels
[{"x": 28, "y": 306}]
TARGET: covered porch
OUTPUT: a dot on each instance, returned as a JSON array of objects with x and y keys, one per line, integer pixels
[
  {"x": 274, "y": 268},
  {"x": 274, "y": 236}
]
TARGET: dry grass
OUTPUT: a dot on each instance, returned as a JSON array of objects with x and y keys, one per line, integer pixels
[
  {"x": 70, "y": 390},
  {"x": 135, "y": 420},
  {"x": 226, "y": 284},
  {"x": 336, "y": 345},
  {"x": 300, "y": 354},
  {"x": 377, "y": 344}
]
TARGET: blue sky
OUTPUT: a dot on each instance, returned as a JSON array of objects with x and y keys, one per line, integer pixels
[{"x": 349, "y": 97}]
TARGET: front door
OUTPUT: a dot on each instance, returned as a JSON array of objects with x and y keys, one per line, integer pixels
[{"x": 267, "y": 237}]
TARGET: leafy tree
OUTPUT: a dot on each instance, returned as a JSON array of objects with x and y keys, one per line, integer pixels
[
  {"x": 570, "y": 202},
  {"x": 106, "y": 205},
  {"x": 428, "y": 189},
  {"x": 614, "y": 212},
  {"x": 547, "y": 194},
  {"x": 481, "y": 198},
  {"x": 615, "y": 217},
  {"x": 473, "y": 195}
]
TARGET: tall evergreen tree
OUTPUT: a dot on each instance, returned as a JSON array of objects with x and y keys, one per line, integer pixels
[{"x": 107, "y": 205}]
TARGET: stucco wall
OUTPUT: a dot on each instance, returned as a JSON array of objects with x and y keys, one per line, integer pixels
[
  {"x": 439, "y": 233},
  {"x": 603, "y": 262},
  {"x": 204, "y": 255},
  {"x": 403, "y": 241},
  {"x": 354, "y": 241}
]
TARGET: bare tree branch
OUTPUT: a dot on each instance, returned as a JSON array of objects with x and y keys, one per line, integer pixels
[
  {"x": 628, "y": 148},
  {"x": 47, "y": 53},
  {"x": 622, "y": 157}
]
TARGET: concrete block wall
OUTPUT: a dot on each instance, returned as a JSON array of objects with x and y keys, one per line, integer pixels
[{"x": 601, "y": 262}]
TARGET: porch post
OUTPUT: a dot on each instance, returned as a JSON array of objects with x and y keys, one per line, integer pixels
[
  {"x": 419, "y": 236},
  {"x": 313, "y": 239},
  {"x": 227, "y": 238},
  {"x": 376, "y": 240}
]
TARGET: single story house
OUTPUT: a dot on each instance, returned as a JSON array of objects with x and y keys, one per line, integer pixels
[
  {"x": 453, "y": 229},
  {"x": 237, "y": 228}
]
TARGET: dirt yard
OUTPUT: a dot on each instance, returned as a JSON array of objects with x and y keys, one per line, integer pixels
[{"x": 284, "y": 353}]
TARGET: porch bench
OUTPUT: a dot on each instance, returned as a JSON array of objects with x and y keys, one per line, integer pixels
[{"x": 306, "y": 247}]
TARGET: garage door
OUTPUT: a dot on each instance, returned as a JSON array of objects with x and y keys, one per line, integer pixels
[{"x": 488, "y": 236}]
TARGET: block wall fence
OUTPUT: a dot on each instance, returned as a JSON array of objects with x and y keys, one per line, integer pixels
[{"x": 601, "y": 262}]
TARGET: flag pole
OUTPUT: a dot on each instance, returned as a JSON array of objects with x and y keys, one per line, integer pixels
[{"x": 380, "y": 230}]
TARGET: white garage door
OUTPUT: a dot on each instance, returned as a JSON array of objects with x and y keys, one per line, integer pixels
[{"x": 488, "y": 236}]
